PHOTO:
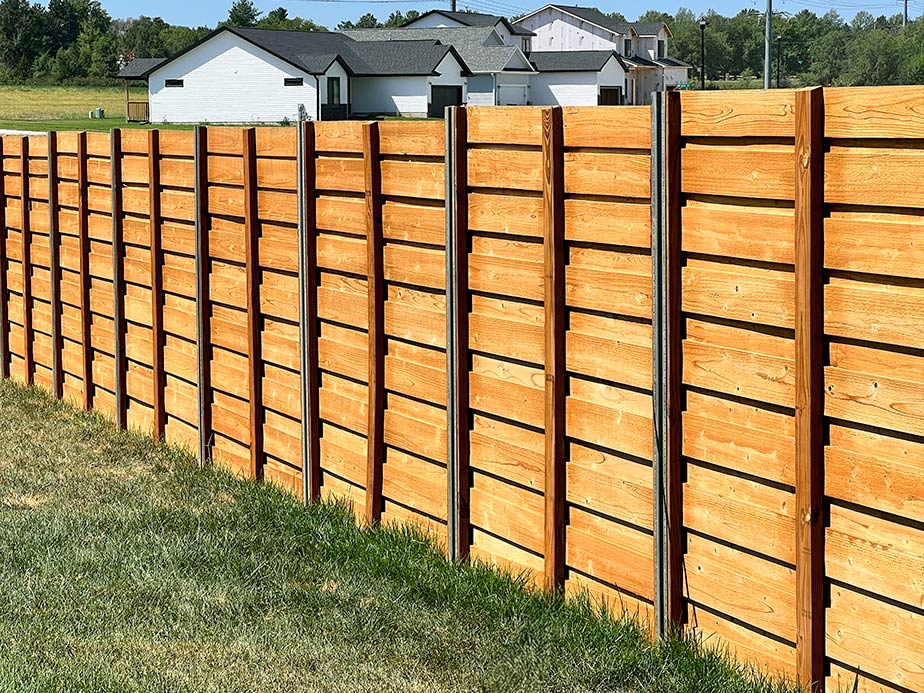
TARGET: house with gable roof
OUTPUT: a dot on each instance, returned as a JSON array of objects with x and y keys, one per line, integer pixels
[
  {"x": 643, "y": 46},
  {"x": 237, "y": 75}
]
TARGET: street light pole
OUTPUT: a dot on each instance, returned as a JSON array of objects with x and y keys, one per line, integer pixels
[
  {"x": 767, "y": 34},
  {"x": 779, "y": 57},
  {"x": 702, "y": 53}
]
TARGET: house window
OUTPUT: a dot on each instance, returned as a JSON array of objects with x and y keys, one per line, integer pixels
[
  {"x": 173, "y": 82},
  {"x": 527, "y": 45},
  {"x": 627, "y": 48},
  {"x": 294, "y": 81},
  {"x": 333, "y": 91},
  {"x": 662, "y": 48}
]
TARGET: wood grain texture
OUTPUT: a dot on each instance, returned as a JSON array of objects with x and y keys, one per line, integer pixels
[
  {"x": 375, "y": 278},
  {"x": 875, "y": 243},
  {"x": 620, "y": 128},
  {"x": 553, "y": 199},
  {"x": 875, "y": 112},
  {"x": 761, "y": 114},
  {"x": 885, "y": 177},
  {"x": 747, "y": 170},
  {"x": 809, "y": 390},
  {"x": 252, "y": 294}
]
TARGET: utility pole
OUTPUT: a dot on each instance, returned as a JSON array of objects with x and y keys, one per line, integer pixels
[
  {"x": 905, "y": 15},
  {"x": 702, "y": 52},
  {"x": 779, "y": 57},
  {"x": 768, "y": 28}
]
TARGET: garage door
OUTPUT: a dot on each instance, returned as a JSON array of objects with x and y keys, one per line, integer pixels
[
  {"x": 511, "y": 95},
  {"x": 442, "y": 96}
]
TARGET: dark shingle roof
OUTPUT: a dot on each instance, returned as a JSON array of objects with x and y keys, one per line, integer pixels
[
  {"x": 672, "y": 62},
  {"x": 571, "y": 61},
  {"x": 639, "y": 61},
  {"x": 314, "y": 51},
  {"x": 474, "y": 19},
  {"x": 139, "y": 68},
  {"x": 468, "y": 41}
]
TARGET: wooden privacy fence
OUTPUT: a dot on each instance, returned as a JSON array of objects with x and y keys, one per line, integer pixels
[{"x": 674, "y": 356}]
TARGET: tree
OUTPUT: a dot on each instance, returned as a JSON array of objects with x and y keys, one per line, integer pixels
[
  {"x": 280, "y": 19},
  {"x": 243, "y": 13},
  {"x": 397, "y": 19},
  {"x": 23, "y": 37},
  {"x": 367, "y": 21}
]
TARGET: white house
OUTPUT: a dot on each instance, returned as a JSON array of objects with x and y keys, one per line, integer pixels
[
  {"x": 237, "y": 75},
  {"x": 642, "y": 45},
  {"x": 511, "y": 34},
  {"x": 500, "y": 72},
  {"x": 578, "y": 78}
]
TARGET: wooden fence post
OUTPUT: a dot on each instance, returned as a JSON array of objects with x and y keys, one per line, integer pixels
[
  {"x": 4, "y": 294},
  {"x": 83, "y": 232},
  {"x": 28, "y": 358},
  {"x": 375, "y": 447},
  {"x": 254, "y": 322},
  {"x": 54, "y": 268},
  {"x": 118, "y": 278},
  {"x": 809, "y": 324},
  {"x": 157, "y": 282},
  {"x": 457, "y": 329},
  {"x": 308, "y": 318},
  {"x": 674, "y": 365},
  {"x": 203, "y": 306},
  {"x": 553, "y": 208}
]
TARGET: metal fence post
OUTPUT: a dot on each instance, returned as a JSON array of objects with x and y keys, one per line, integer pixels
[
  {"x": 659, "y": 361},
  {"x": 203, "y": 331},
  {"x": 452, "y": 453}
]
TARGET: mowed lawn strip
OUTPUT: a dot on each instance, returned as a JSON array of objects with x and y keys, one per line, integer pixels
[{"x": 125, "y": 567}]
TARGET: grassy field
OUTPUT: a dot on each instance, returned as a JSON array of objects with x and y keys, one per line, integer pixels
[
  {"x": 66, "y": 108},
  {"x": 124, "y": 567}
]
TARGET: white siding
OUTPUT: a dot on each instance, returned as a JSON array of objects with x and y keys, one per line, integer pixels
[
  {"x": 228, "y": 80},
  {"x": 392, "y": 95},
  {"x": 480, "y": 90},
  {"x": 612, "y": 74},
  {"x": 675, "y": 75},
  {"x": 557, "y": 31},
  {"x": 335, "y": 70},
  {"x": 563, "y": 89},
  {"x": 646, "y": 81},
  {"x": 512, "y": 88}
]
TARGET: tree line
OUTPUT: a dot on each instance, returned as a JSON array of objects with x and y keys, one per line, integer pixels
[{"x": 77, "y": 42}]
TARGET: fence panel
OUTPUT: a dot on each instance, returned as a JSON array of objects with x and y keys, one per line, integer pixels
[
  {"x": 798, "y": 289},
  {"x": 609, "y": 409},
  {"x": 737, "y": 174},
  {"x": 874, "y": 388},
  {"x": 343, "y": 310}
]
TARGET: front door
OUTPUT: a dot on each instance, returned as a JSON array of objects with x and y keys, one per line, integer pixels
[{"x": 441, "y": 96}]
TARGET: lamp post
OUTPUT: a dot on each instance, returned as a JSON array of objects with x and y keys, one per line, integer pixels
[
  {"x": 779, "y": 58},
  {"x": 702, "y": 52}
]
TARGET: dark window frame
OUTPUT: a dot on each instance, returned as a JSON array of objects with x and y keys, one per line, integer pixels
[
  {"x": 662, "y": 48},
  {"x": 173, "y": 83},
  {"x": 333, "y": 85},
  {"x": 627, "y": 47},
  {"x": 293, "y": 82}
]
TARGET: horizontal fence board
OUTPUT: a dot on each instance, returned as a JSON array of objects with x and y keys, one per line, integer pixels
[
  {"x": 878, "y": 244},
  {"x": 876, "y": 112},
  {"x": 877, "y": 177},
  {"x": 761, "y": 114},
  {"x": 764, "y": 171}
]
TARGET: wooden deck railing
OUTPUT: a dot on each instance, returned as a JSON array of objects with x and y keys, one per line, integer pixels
[{"x": 137, "y": 112}]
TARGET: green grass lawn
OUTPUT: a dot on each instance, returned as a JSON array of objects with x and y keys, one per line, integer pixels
[
  {"x": 65, "y": 108},
  {"x": 125, "y": 567}
]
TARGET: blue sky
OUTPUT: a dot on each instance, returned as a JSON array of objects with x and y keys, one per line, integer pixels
[{"x": 329, "y": 12}]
